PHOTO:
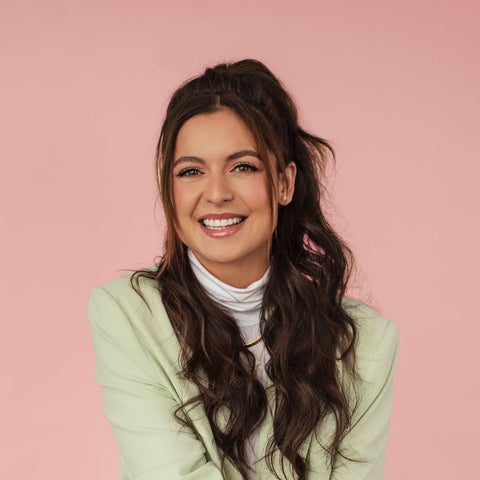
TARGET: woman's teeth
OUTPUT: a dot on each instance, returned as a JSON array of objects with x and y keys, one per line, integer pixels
[{"x": 218, "y": 224}]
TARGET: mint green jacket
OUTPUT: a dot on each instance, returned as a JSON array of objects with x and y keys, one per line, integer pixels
[{"x": 136, "y": 354}]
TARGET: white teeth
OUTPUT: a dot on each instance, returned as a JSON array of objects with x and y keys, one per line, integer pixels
[{"x": 217, "y": 224}]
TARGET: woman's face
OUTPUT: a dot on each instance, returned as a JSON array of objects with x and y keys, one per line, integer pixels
[{"x": 221, "y": 198}]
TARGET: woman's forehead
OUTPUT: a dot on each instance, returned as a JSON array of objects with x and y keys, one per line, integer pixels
[{"x": 213, "y": 133}]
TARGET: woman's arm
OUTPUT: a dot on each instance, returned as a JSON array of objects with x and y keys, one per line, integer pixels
[
  {"x": 152, "y": 443},
  {"x": 368, "y": 436}
]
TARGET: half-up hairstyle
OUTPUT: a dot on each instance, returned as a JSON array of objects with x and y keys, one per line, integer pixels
[{"x": 307, "y": 332}]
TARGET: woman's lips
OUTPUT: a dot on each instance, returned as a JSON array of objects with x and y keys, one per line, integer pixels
[{"x": 219, "y": 232}]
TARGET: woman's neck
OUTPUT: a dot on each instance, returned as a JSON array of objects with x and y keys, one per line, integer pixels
[
  {"x": 239, "y": 275},
  {"x": 239, "y": 300}
]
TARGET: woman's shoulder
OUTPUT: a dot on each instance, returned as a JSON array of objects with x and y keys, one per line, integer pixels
[
  {"x": 372, "y": 398},
  {"x": 116, "y": 302},
  {"x": 377, "y": 336},
  {"x": 121, "y": 291},
  {"x": 132, "y": 333}
]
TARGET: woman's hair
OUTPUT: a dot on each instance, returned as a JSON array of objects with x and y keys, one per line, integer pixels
[{"x": 305, "y": 329}]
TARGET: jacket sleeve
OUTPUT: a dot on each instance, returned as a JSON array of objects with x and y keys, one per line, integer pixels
[
  {"x": 153, "y": 445},
  {"x": 367, "y": 438}
]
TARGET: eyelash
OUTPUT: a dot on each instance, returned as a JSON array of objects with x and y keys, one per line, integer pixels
[
  {"x": 187, "y": 171},
  {"x": 251, "y": 167}
]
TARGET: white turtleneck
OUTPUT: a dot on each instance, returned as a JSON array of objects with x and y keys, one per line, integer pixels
[{"x": 244, "y": 305}]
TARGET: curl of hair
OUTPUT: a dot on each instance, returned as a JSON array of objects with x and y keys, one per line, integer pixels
[{"x": 305, "y": 328}]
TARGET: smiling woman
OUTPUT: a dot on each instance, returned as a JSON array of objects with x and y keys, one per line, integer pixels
[
  {"x": 239, "y": 355},
  {"x": 221, "y": 197}
]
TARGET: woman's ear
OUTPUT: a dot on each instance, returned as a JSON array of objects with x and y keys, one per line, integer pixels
[{"x": 286, "y": 183}]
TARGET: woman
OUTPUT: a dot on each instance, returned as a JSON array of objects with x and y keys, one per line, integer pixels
[{"x": 238, "y": 355}]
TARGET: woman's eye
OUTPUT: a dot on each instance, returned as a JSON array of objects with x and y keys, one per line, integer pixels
[
  {"x": 245, "y": 167},
  {"x": 188, "y": 172}
]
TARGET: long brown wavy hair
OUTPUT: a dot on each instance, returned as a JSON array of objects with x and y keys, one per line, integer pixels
[{"x": 305, "y": 329}]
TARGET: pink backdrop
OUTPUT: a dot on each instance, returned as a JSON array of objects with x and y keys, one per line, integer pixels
[{"x": 84, "y": 84}]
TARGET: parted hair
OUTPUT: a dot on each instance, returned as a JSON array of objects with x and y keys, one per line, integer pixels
[{"x": 307, "y": 331}]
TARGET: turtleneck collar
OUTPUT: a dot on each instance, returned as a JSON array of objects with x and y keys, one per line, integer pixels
[{"x": 244, "y": 301}]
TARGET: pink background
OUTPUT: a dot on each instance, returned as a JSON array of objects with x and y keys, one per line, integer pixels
[{"x": 393, "y": 84}]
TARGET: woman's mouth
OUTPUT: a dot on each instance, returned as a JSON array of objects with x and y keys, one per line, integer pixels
[
  {"x": 222, "y": 227},
  {"x": 221, "y": 224}
]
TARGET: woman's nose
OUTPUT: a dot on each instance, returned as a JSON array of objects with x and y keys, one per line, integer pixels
[{"x": 217, "y": 189}]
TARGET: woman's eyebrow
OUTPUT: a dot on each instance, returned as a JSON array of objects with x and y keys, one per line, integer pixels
[{"x": 232, "y": 156}]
